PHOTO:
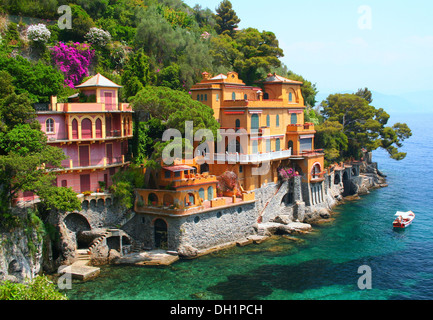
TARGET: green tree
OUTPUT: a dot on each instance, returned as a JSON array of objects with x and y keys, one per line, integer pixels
[
  {"x": 81, "y": 24},
  {"x": 136, "y": 74},
  {"x": 173, "y": 108},
  {"x": 364, "y": 125},
  {"x": 226, "y": 20},
  {"x": 330, "y": 137},
  {"x": 260, "y": 54}
]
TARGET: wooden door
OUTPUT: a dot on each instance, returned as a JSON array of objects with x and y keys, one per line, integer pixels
[
  {"x": 84, "y": 182},
  {"x": 84, "y": 152},
  {"x": 109, "y": 101}
]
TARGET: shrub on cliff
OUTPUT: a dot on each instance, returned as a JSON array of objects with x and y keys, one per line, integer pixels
[{"x": 40, "y": 288}]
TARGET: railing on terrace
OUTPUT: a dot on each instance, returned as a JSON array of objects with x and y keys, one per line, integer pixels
[
  {"x": 250, "y": 158},
  {"x": 41, "y": 106}
]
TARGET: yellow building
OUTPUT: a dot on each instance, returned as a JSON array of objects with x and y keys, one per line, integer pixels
[{"x": 260, "y": 125}]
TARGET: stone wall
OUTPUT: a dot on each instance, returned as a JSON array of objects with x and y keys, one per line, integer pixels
[{"x": 20, "y": 252}]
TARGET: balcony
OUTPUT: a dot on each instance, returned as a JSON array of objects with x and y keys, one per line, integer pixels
[
  {"x": 92, "y": 107},
  {"x": 97, "y": 164},
  {"x": 250, "y": 158},
  {"x": 300, "y": 127}
]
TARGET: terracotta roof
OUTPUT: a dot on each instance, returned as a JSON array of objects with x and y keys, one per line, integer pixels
[
  {"x": 98, "y": 81},
  {"x": 219, "y": 77},
  {"x": 276, "y": 78}
]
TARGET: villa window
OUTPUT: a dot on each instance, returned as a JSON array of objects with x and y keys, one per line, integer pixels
[
  {"x": 198, "y": 97},
  {"x": 277, "y": 121},
  {"x": 238, "y": 124},
  {"x": 293, "y": 118},
  {"x": 268, "y": 121},
  {"x": 167, "y": 174},
  {"x": 210, "y": 193},
  {"x": 268, "y": 145},
  {"x": 290, "y": 97},
  {"x": 217, "y": 97},
  {"x": 233, "y": 96},
  {"x": 255, "y": 147},
  {"x": 201, "y": 193},
  {"x": 205, "y": 97},
  {"x": 255, "y": 122},
  {"x": 316, "y": 171},
  {"x": 49, "y": 126},
  {"x": 245, "y": 97},
  {"x": 277, "y": 144}
]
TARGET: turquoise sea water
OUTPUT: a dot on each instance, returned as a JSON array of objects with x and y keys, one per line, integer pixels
[{"x": 321, "y": 265}]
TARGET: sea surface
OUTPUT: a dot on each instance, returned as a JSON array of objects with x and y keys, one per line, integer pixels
[{"x": 321, "y": 265}]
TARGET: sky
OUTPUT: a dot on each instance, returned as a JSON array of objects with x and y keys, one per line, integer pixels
[{"x": 343, "y": 45}]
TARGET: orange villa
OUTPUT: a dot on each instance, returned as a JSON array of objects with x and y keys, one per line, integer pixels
[{"x": 262, "y": 127}]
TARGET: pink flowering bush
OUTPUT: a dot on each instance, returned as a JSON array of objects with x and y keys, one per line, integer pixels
[
  {"x": 73, "y": 60},
  {"x": 287, "y": 173}
]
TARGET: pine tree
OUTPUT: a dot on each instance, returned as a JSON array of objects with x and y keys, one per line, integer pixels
[{"x": 226, "y": 19}]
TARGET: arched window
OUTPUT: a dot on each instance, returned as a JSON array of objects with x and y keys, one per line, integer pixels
[
  {"x": 293, "y": 118},
  {"x": 86, "y": 129},
  {"x": 74, "y": 129},
  {"x": 290, "y": 97},
  {"x": 49, "y": 126},
  {"x": 210, "y": 193},
  {"x": 268, "y": 120},
  {"x": 277, "y": 145},
  {"x": 98, "y": 128},
  {"x": 238, "y": 124},
  {"x": 255, "y": 122},
  {"x": 290, "y": 145},
  {"x": 315, "y": 171},
  {"x": 233, "y": 96},
  {"x": 277, "y": 120},
  {"x": 201, "y": 97},
  {"x": 201, "y": 193},
  {"x": 266, "y": 96}
]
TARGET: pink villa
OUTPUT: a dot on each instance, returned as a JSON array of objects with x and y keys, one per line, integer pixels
[{"x": 93, "y": 129}]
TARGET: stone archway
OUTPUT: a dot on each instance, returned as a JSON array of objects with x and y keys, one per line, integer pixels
[
  {"x": 76, "y": 224},
  {"x": 160, "y": 234}
]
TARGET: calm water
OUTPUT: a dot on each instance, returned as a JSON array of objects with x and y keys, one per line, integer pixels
[{"x": 322, "y": 265}]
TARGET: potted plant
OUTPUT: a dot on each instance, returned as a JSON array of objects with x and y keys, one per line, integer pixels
[{"x": 102, "y": 186}]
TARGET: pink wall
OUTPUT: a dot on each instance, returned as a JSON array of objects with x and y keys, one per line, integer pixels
[
  {"x": 59, "y": 125},
  {"x": 73, "y": 179}
]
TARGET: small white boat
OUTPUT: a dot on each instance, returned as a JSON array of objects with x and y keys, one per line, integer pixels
[{"x": 404, "y": 219}]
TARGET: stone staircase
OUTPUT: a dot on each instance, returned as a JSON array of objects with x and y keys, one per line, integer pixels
[{"x": 98, "y": 241}]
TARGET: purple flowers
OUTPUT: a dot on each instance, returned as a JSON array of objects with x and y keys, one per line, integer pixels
[
  {"x": 73, "y": 60},
  {"x": 287, "y": 173}
]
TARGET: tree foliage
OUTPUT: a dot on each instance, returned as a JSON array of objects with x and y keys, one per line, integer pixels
[
  {"x": 226, "y": 20},
  {"x": 364, "y": 125}
]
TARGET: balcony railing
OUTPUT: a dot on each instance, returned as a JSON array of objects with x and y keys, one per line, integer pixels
[{"x": 250, "y": 158}]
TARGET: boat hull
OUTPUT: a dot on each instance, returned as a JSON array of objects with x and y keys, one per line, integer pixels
[{"x": 403, "y": 223}]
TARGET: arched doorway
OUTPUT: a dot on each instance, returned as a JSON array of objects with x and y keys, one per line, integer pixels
[
  {"x": 152, "y": 199},
  {"x": 160, "y": 234}
]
